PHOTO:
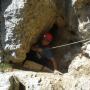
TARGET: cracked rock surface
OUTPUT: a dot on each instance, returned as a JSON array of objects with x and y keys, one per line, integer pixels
[{"x": 24, "y": 19}]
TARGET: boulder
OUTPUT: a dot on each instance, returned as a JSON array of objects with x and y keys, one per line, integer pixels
[{"x": 24, "y": 22}]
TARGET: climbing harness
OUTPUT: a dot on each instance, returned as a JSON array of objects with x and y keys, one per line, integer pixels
[{"x": 70, "y": 44}]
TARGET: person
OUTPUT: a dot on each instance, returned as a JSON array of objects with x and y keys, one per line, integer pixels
[{"x": 41, "y": 52}]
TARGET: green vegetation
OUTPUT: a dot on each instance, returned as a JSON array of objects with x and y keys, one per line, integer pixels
[{"x": 5, "y": 67}]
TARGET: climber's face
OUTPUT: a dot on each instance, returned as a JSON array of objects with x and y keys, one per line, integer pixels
[{"x": 45, "y": 42}]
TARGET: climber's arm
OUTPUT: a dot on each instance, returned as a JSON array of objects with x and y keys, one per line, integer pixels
[{"x": 36, "y": 49}]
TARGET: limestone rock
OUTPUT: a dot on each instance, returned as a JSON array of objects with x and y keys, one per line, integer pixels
[
  {"x": 82, "y": 3},
  {"x": 24, "y": 32},
  {"x": 77, "y": 78},
  {"x": 82, "y": 8},
  {"x": 80, "y": 65},
  {"x": 24, "y": 22}
]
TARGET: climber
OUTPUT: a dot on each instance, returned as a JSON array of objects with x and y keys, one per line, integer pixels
[{"x": 41, "y": 53}]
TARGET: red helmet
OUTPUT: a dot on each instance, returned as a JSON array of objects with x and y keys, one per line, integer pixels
[{"x": 48, "y": 37}]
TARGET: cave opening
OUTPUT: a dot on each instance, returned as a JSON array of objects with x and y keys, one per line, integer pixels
[{"x": 63, "y": 56}]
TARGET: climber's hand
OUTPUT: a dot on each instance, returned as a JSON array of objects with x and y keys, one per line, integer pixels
[
  {"x": 36, "y": 49},
  {"x": 39, "y": 49}
]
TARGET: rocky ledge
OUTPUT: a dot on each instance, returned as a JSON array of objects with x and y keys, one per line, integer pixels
[{"x": 77, "y": 78}]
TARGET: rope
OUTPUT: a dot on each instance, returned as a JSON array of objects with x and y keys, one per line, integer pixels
[{"x": 70, "y": 44}]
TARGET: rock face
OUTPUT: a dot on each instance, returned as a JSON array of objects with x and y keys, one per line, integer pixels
[
  {"x": 77, "y": 78},
  {"x": 23, "y": 26},
  {"x": 24, "y": 22}
]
